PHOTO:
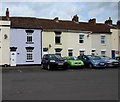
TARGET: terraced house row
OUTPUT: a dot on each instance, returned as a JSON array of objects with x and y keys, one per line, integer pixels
[{"x": 24, "y": 40}]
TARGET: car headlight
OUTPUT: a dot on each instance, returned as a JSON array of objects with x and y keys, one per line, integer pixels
[
  {"x": 65, "y": 60},
  {"x": 52, "y": 60}
]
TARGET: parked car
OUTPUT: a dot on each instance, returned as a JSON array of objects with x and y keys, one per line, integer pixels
[
  {"x": 74, "y": 62},
  {"x": 53, "y": 61},
  {"x": 118, "y": 58},
  {"x": 111, "y": 62},
  {"x": 92, "y": 61}
]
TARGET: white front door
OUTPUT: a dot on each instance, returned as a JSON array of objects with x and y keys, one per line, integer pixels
[{"x": 13, "y": 58}]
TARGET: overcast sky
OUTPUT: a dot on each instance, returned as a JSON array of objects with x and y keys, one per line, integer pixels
[{"x": 64, "y": 10}]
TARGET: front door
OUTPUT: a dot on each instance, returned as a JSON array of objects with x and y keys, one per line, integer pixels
[
  {"x": 13, "y": 58},
  {"x": 113, "y": 54}
]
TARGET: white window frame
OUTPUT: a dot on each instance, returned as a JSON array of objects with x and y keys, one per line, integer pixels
[
  {"x": 29, "y": 54},
  {"x": 81, "y": 38},
  {"x": 29, "y": 35},
  {"x": 93, "y": 51},
  {"x": 70, "y": 51},
  {"x": 59, "y": 36},
  {"x": 104, "y": 53},
  {"x": 103, "y": 39},
  {"x": 81, "y": 50}
]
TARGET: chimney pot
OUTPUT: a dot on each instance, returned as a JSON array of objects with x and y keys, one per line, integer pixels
[
  {"x": 75, "y": 18},
  {"x": 109, "y": 21},
  {"x": 56, "y": 19},
  {"x": 118, "y": 22},
  {"x": 92, "y": 21},
  {"x": 7, "y": 13}
]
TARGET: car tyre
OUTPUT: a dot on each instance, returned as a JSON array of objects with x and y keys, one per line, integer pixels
[
  {"x": 48, "y": 67},
  {"x": 90, "y": 66}
]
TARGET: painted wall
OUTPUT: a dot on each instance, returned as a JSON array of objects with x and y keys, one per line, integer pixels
[
  {"x": 115, "y": 40},
  {"x": 18, "y": 38},
  {"x": 70, "y": 40},
  {"x": 4, "y": 42},
  {"x": 96, "y": 44}
]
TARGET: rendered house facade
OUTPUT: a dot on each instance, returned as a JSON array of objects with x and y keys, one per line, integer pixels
[
  {"x": 4, "y": 40},
  {"x": 25, "y": 42},
  {"x": 115, "y": 42},
  {"x": 28, "y": 39},
  {"x": 72, "y": 38}
]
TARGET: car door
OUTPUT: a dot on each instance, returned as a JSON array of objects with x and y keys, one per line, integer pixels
[
  {"x": 45, "y": 59},
  {"x": 86, "y": 60}
]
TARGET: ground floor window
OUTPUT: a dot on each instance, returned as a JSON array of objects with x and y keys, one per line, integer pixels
[
  {"x": 93, "y": 51},
  {"x": 70, "y": 52},
  {"x": 45, "y": 51},
  {"x": 58, "y": 51},
  {"x": 29, "y": 53},
  {"x": 103, "y": 53},
  {"x": 82, "y": 52}
]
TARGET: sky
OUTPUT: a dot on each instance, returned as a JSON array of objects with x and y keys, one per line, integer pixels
[{"x": 63, "y": 9}]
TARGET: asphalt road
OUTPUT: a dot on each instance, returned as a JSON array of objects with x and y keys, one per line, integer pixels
[{"x": 83, "y": 84}]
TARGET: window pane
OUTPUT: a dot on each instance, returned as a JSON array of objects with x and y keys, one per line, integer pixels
[
  {"x": 102, "y": 39},
  {"x": 57, "y": 39},
  {"x": 81, "y": 38},
  {"x": 29, "y": 54},
  {"x": 70, "y": 53}
]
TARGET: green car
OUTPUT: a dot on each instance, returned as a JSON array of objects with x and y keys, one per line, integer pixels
[{"x": 74, "y": 62}]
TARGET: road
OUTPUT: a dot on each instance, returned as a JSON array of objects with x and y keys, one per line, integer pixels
[{"x": 83, "y": 84}]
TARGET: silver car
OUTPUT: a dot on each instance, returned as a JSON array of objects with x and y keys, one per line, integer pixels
[{"x": 111, "y": 62}]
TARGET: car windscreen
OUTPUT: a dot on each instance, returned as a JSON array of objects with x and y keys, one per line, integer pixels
[
  {"x": 72, "y": 58},
  {"x": 55, "y": 57},
  {"x": 94, "y": 57}
]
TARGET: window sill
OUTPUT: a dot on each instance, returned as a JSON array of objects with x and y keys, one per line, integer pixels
[
  {"x": 29, "y": 42},
  {"x": 103, "y": 44},
  {"x": 58, "y": 43},
  {"x": 29, "y": 61}
]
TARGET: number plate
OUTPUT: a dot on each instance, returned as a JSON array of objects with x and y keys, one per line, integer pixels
[
  {"x": 60, "y": 63},
  {"x": 101, "y": 63}
]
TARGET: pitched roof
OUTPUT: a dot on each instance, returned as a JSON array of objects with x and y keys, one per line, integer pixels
[
  {"x": 3, "y": 18},
  {"x": 48, "y": 24}
]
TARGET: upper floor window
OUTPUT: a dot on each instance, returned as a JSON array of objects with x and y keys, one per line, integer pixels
[
  {"x": 29, "y": 36},
  {"x": 57, "y": 37},
  {"x": 81, "y": 38},
  {"x": 103, "y": 38}
]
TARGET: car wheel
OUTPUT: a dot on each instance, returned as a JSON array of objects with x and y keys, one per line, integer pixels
[
  {"x": 48, "y": 67},
  {"x": 90, "y": 66},
  {"x": 42, "y": 66},
  {"x": 68, "y": 66}
]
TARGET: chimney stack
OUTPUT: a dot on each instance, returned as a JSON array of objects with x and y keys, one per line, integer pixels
[
  {"x": 75, "y": 19},
  {"x": 56, "y": 19},
  {"x": 7, "y": 13},
  {"x": 92, "y": 21},
  {"x": 109, "y": 21},
  {"x": 118, "y": 22}
]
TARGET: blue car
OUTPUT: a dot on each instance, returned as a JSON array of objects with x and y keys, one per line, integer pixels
[{"x": 93, "y": 61}]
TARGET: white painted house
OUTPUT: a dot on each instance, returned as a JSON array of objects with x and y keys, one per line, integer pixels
[{"x": 4, "y": 39}]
